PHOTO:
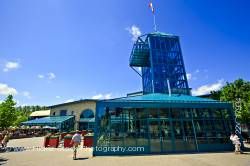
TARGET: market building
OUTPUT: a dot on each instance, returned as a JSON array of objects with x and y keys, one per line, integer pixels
[
  {"x": 165, "y": 117},
  {"x": 82, "y": 110},
  {"x": 76, "y": 115}
]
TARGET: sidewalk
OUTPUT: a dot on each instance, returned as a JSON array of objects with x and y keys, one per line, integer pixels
[{"x": 54, "y": 157}]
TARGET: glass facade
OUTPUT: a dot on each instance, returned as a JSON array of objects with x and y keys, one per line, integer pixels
[
  {"x": 87, "y": 120},
  {"x": 164, "y": 129},
  {"x": 157, "y": 122},
  {"x": 160, "y": 57}
]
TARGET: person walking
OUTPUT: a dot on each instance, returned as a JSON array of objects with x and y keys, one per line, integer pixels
[
  {"x": 236, "y": 141},
  {"x": 76, "y": 141},
  {"x": 5, "y": 140}
]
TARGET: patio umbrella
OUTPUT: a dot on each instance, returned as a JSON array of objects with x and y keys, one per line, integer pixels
[
  {"x": 53, "y": 128},
  {"x": 46, "y": 127}
]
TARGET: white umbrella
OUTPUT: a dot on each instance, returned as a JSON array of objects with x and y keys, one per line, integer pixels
[
  {"x": 53, "y": 128},
  {"x": 46, "y": 127}
]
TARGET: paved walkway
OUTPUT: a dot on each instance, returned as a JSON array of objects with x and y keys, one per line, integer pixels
[{"x": 54, "y": 157}]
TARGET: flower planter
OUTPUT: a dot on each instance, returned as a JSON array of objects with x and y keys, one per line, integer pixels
[
  {"x": 88, "y": 140},
  {"x": 53, "y": 142},
  {"x": 67, "y": 141},
  {"x": 46, "y": 142}
]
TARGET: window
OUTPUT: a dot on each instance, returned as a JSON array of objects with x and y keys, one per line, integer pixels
[
  {"x": 176, "y": 113},
  {"x": 63, "y": 112},
  {"x": 87, "y": 114}
]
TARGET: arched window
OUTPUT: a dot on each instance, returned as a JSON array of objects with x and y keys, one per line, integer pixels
[{"x": 87, "y": 114}]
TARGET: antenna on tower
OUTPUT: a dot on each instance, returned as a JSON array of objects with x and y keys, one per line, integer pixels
[{"x": 153, "y": 12}]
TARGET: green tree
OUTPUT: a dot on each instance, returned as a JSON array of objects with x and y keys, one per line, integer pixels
[
  {"x": 215, "y": 95},
  {"x": 8, "y": 113},
  {"x": 239, "y": 89},
  {"x": 21, "y": 117}
]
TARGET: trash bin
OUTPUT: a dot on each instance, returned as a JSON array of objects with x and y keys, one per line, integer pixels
[
  {"x": 54, "y": 141},
  {"x": 88, "y": 140},
  {"x": 67, "y": 141}
]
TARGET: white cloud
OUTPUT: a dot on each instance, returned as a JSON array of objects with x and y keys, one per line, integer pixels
[
  {"x": 51, "y": 76},
  {"x": 69, "y": 100},
  {"x": 27, "y": 94},
  {"x": 189, "y": 76},
  {"x": 134, "y": 31},
  {"x": 107, "y": 96},
  {"x": 58, "y": 97},
  {"x": 11, "y": 66},
  {"x": 97, "y": 96},
  {"x": 6, "y": 90},
  {"x": 206, "y": 89},
  {"x": 40, "y": 76},
  {"x": 102, "y": 96}
]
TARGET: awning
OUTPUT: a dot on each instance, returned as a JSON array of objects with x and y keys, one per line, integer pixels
[{"x": 48, "y": 121}]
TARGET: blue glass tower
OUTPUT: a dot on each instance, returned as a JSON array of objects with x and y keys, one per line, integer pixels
[{"x": 162, "y": 67}]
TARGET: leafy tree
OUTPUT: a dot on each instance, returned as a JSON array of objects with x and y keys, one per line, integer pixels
[
  {"x": 215, "y": 95},
  {"x": 21, "y": 117},
  {"x": 239, "y": 89},
  {"x": 8, "y": 113}
]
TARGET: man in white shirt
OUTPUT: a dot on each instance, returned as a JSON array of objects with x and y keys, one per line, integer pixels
[
  {"x": 76, "y": 141},
  {"x": 236, "y": 141}
]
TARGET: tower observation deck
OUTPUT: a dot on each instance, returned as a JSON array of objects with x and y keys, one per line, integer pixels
[{"x": 162, "y": 67}]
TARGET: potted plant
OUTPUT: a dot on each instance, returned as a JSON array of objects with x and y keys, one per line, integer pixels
[
  {"x": 67, "y": 141},
  {"x": 54, "y": 141}
]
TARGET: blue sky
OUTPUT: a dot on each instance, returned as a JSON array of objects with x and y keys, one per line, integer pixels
[{"x": 55, "y": 51}]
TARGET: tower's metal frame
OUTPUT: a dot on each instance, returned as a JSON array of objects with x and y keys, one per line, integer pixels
[{"x": 160, "y": 58}]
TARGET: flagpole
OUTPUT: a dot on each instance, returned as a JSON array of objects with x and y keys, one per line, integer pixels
[
  {"x": 153, "y": 12},
  {"x": 154, "y": 23}
]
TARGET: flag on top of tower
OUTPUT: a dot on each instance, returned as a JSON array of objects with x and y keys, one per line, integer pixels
[{"x": 151, "y": 7}]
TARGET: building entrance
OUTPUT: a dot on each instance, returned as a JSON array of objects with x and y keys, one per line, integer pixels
[{"x": 171, "y": 136}]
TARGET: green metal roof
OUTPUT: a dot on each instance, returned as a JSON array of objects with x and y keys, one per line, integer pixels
[
  {"x": 48, "y": 120},
  {"x": 159, "y": 97},
  {"x": 161, "y": 34}
]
